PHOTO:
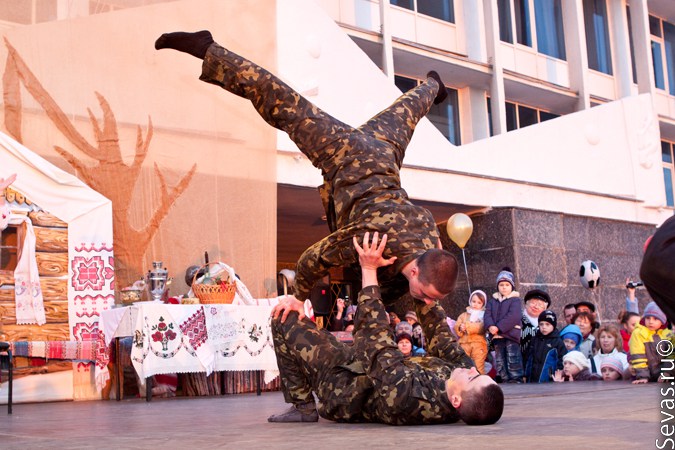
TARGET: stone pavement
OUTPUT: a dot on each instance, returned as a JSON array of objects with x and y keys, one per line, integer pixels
[{"x": 595, "y": 415}]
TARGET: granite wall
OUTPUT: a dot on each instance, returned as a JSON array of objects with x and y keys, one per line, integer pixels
[{"x": 544, "y": 251}]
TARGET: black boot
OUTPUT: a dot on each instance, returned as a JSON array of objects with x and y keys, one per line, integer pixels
[
  {"x": 442, "y": 92},
  {"x": 296, "y": 414},
  {"x": 196, "y": 44}
]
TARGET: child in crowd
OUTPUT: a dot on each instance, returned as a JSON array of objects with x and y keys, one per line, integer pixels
[
  {"x": 628, "y": 321},
  {"x": 546, "y": 351},
  {"x": 610, "y": 345},
  {"x": 471, "y": 331},
  {"x": 644, "y": 357},
  {"x": 572, "y": 337},
  {"x": 612, "y": 369},
  {"x": 576, "y": 367},
  {"x": 503, "y": 322}
]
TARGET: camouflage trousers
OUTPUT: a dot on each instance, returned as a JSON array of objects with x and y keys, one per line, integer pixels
[
  {"x": 313, "y": 360},
  {"x": 325, "y": 140},
  {"x": 360, "y": 166}
]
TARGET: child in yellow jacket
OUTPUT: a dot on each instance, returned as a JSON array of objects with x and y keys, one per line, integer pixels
[
  {"x": 471, "y": 330},
  {"x": 644, "y": 357}
]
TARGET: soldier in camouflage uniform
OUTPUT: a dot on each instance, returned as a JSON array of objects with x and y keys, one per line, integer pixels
[
  {"x": 362, "y": 187},
  {"x": 371, "y": 381}
]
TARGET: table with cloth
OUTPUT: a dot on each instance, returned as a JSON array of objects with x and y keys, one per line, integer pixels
[{"x": 189, "y": 339}]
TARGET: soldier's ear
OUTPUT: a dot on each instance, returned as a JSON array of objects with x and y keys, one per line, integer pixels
[{"x": 456, "y": 400}]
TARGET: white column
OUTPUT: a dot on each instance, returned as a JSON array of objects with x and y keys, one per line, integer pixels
[
  {"x": 623, "y": 72},
  {"x": 473, "y": 29},
  {"x": 472, "y": 100},
  {"x": 387, "y": 50},
  {"x": 492, "y": 44},
  {"x": 575, "y": 46},
  {"x": 644, "y": 68}
]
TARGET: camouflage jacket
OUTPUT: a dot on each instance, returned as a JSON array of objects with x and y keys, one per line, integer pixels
[
  {"x": 366, "y": 195},
  {"x": 405, "y": 391}
]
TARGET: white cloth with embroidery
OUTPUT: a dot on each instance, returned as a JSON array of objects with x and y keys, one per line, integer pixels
[
  {"x": 202, "y": 338},
  {"x": 27, "y": 291}
]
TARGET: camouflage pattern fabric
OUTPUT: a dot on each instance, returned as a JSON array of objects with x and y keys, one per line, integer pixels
[
  {"x": 362, "y": 188},
  {"x": 370, "y": 381}
]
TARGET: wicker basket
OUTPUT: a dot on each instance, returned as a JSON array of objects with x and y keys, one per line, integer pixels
[{"x": 213, "y": 293}]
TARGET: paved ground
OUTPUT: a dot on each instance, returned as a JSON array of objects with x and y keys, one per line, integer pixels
[{"x": 551, "y": 416}]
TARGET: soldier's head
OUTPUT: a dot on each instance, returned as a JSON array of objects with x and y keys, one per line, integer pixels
[
  {"x": 434, "y": 275},
  {"x": 477, "y": 398}
]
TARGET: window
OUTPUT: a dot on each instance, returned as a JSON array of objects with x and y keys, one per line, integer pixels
[
  {"x": 663, "y": 53},
  {"x": 669, "y": 48},
  {"x": 657, "y": 60},
  {"x": 518, "y": 15},
  {"x": 522, "y": 13},
  {"x": 9, "y": 248},
  {"x": 668, "y": 168},
  {"x": 597, "y": 36},
  {"x": 440, "y": 9},
  {"x": 445, "y": 116},
  {"x": 504, "y": 12},
  {"x": 520, "y": 116},
  {"x": 407, "y": 4},
  {"x": 550, "y": 35}
]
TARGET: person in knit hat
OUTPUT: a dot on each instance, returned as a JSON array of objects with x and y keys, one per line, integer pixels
[
  {"x": 536, "y": 301},
  {"x": 657, "y": 270},
  {"x": 612, "y": 369},
  {"x": 404, "y": 343},
  {"x": 471, "y": 330},
  {"x": 503, "y": 322},
  {"x": 576, "y": 367},
  {"x": 545, "y": 354},
  {"x": 572, "y": 337},
  {"x": 644, "y": 358}
]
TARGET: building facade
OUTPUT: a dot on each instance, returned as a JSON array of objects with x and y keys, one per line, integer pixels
[{"x": 558, "y": 136}]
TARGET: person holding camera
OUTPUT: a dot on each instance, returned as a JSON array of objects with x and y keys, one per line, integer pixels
[{"x": 631, "y": 299}]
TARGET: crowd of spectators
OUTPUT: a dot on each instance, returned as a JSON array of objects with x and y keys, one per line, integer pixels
[{"x": 519, "y": 341}]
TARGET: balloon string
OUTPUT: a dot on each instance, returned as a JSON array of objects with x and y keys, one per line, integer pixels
[{"x": 466, "y": 271}]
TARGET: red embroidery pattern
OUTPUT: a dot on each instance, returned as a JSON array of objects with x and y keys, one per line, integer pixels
[
  {"x": 90, "y": 273},
  {"x": 85, "y": 331},
  {"x": 195, "y": 329}
]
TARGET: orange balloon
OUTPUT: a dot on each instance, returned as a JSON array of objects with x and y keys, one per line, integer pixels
[{"x": 460, "y": 228}]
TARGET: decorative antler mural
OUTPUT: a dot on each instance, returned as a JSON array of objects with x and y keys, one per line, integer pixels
[{"x": 110, "y": 175}]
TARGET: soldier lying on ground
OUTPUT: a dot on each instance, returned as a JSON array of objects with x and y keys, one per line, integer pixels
[
  {"x": 362, "y": 186},
  {"x": 371, "y": 380}
]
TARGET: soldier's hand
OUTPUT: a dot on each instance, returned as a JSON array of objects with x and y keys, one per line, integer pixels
[
  {"x": 370, "y": 254},
  {"x": 287, "y": 304}
]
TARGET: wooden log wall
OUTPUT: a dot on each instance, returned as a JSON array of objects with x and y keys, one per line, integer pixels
[{"x": 52, "y": 259}]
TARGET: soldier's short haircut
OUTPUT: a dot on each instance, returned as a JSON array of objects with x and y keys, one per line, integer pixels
[
  {"x": 438, "y": 268},
  {"x": 482, "y": 406}
]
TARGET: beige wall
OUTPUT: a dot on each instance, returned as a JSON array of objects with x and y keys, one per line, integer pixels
[{"x": 229, "y": 205}]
